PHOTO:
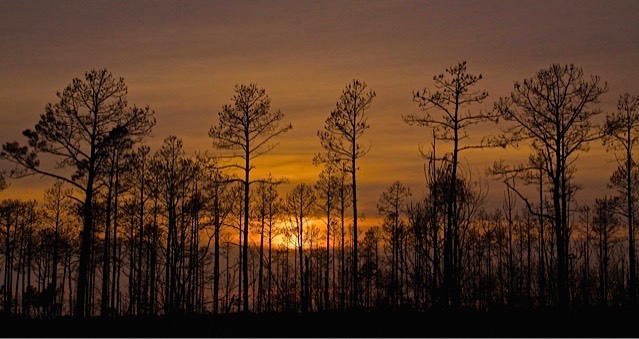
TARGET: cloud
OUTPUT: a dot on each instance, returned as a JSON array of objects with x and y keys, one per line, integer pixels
[{"x": 183, "y": 59}]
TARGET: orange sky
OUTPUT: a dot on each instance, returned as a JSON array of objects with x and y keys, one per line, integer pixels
[{"x": 183, "y": 59}]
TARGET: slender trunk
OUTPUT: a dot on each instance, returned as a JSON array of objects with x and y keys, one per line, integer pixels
[
  {"x": 69, "y": 257},
  {"x": 54, "y": 265},
  {"x": 132, "y": 278},
  {"x": 528, "y": 264},
  {"x": 559, "y": 200},
  {"x": 114, "y": 280},
  {"x": 153, "y": 259},
  {"x": 542, "y": 241},
  {"x": 168, "y": 263},
  {"x": 453, "y": 221},
  {"x": 300, "y": 242},
  {"x": 228, "y": 278},
  {"x": 328, "y": 240},
  {"x": 355, "y": 295},
  {"x": 240, "y": 266},
  {"x": 104, "y": 304},
  {"x": 342, "y": 254},
  {"x": 510, "y": 257},
  {"x": 632, "y": 265},
  {"x": 87, "y": 228},
  {"x": 247, "y": 169},
  {"x": 435, "y": 228},
  {"x": 270, "y": 243},
  {"x": 140, "y": 239},
  {"x": 260, "y": 290},
  {"x": 85, "y": 246},
  {"x": 62, "y": 288},
  {"x": 216, "y": 262},
  {"x": 8, "y": 269}
]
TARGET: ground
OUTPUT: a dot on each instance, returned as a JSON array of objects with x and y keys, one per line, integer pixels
[{"x": 541, "y": 323}]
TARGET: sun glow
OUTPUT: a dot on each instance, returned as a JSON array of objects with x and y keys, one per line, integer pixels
[{"x": 284, "y": 233}]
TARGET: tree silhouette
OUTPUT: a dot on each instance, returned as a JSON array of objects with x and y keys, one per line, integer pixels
[
  {"x": 171, "y": 162},
  {"x": 247, "y": 128},
  {"x": 605, "y": 224},
  {"x": 553, "y": 111},
  {"x": 216, "y": 188},
  {"x": 326, "y": 187},
  {"x": 56, "y": 208},
  {"x": 267, "y": 210},
  {"x": 340, "y": 138},
  {"x": 454, "y": 91},
  {"x": 9, "y": 213},
  {"x": 3, "y": 182},
  {"x": 621, "y": 132},
  {"x": 77, "y": 131},
  {"x": 370, "y": 267},
  {"x": 115, "y": 166},
  {"x": 392, "y": 205},
  {"x": 300, "y": 207},
  {"x": 140, "y": 178}
]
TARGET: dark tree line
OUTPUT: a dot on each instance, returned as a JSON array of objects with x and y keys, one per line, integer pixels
[{"x": 128, "y": 230}]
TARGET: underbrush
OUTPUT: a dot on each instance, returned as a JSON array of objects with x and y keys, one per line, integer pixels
[{"x": 583, "y": 323}]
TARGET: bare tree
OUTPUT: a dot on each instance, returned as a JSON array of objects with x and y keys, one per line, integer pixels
[
  {"x": 621, "y": 132},
  {"x": 454, "y": 92},
  {"x": 327, "y": 189},
  {"x": 246, "y": 129},
  {"x": 76, "y": 131},
  {"x": 340, "y": 138},
  {"x": 300, "y": 207},
  {"x": 3, "y": 182},
  {"x": 605, "y": 224},
  {"x": 216, "y": 191},
  {"x": 56, "y": 208},
  {"x": 170, "y": 161},
  {"x": 9, "y": 210},
  {"x": 140, "y": 178},
  {"x": 266, "y": 210},
  {"x": 553, "y": 111},
  {"x": 392, "y": 205}
]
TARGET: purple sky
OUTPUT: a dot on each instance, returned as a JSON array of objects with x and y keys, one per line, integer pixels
[{"x": 183, "y": 59}]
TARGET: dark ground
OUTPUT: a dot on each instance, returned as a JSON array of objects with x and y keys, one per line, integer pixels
[{"x": 591, "y": 323}]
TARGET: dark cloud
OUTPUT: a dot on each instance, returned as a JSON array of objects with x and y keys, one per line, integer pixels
[{"x": 184, "y": 57}]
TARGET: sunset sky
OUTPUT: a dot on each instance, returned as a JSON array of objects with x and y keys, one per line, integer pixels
[{"x": 183, "y": 58}]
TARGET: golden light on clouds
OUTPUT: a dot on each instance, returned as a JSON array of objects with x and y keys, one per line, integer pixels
[{"x": 184, "y": 58}]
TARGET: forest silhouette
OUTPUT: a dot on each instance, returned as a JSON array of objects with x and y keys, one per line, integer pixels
[{"x": 177, "y": 244}]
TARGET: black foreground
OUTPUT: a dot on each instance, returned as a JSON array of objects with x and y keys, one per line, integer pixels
[{"x": 582, "y": 323}]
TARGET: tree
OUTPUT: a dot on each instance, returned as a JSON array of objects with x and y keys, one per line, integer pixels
[
  {"x": 266, "y": 210},
  {"x": 117, "y": 153},
  {"x": 553, "y": 111},
  {"x": 344, "y": 201},
  {"x": 176, "y": 172},
  {"x": 370, "y": 266},
  {"x": 9, "y": 211},
  {"x": 76, "y": 131},
  {"x": 453, "y": 92},
  {"x": 327, "y": 189},
  {"x": 56, "y": 208},
  {"x": 246, "y": 129},
  {"x": 605, "y": 224},
  {"x": 340, "y": 138},
  {"x": 140, "y": 160},
  {"x": 3, "y": 182},
  {"x": 392, "y": 205},
  {"x": 220, "y": 206},
  {"x": 300, "y": 206},
  {"x": 621, "y": 132}
]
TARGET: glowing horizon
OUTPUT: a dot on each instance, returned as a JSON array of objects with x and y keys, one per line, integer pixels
[{"x": 183, "y": 59}]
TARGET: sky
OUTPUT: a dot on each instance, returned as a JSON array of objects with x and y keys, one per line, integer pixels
[{"x": 183, "y": 59}]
